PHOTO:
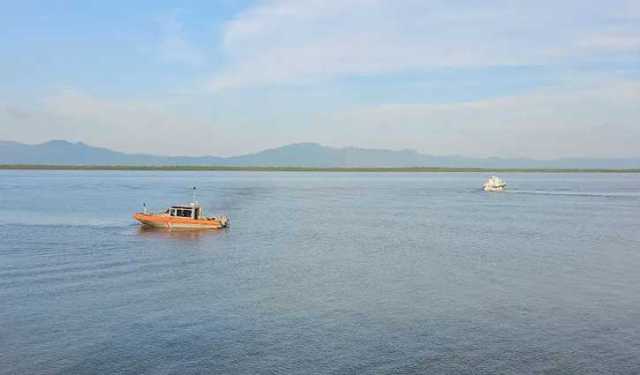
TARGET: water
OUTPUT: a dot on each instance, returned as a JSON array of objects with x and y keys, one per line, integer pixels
[{"x": 321, "y": 273}]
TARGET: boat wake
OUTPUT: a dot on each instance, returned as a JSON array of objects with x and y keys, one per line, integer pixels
[{"x": 633, "y": 195}]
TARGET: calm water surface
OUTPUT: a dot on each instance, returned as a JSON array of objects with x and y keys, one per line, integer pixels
[{"x": 321, "y": 273}]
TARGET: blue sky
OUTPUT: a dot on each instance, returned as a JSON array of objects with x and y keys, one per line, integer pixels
[{"x": 540, "y": 79}]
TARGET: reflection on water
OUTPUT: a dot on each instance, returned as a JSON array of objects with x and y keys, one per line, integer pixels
[{"x": 178, "y": 234}]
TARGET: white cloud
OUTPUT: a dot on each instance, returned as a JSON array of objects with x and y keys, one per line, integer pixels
[{"x": 294, "y": 41}]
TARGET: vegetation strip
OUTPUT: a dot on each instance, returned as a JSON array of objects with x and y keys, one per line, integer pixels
[{"x": 297, "y": 169}]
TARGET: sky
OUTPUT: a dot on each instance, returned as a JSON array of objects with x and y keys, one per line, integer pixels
[{"x": 539, "y": 79}]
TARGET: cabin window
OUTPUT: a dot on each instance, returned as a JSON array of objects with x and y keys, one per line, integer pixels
[
  {"x": 181, "y": 212},
  {"x": 184, "y": 213}
]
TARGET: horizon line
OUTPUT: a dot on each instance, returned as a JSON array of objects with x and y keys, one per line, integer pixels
[{"x": 186, "y": 168}]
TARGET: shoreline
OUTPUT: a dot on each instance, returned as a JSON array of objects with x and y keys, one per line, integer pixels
[{"x": 195, "y": 168}]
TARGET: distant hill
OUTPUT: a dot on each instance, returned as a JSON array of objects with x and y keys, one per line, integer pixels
[
  {"x": 67, "y": 153},
  {"x": 60, "y": 152}
]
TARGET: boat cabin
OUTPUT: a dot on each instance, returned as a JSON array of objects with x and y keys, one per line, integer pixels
[{"x": 193, "y": 212}]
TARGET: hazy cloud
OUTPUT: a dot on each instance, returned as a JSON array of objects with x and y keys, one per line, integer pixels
[
  {"x": 17, "y": 113},
  {"x": 600, "y": 120},
  {"x": 597, "y": 120},
  {"x": 174, "y": 46},
  {"x": 124, "y": 124}
]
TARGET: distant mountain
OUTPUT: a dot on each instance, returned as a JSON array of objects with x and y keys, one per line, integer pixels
[
  {"x": 59, "y": 152},
  {"x": 294, "y": 155}
]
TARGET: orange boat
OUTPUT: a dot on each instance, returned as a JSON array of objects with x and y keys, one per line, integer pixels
[
  {"x": 189, "y": 216},
  {"x": 182, "y": 217}
]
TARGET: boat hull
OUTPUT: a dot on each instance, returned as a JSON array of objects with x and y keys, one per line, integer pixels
[
  {"x": 494, "y": 188},
  {"x": 173, "y": 222}
]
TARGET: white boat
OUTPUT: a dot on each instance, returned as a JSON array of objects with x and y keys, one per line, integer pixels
[{"x": 494, "y": 184}]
